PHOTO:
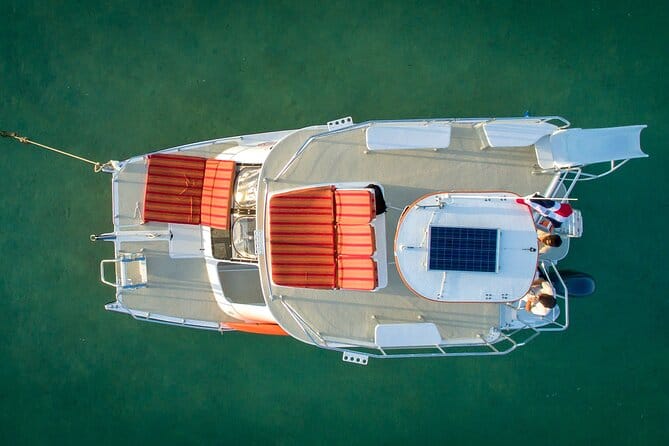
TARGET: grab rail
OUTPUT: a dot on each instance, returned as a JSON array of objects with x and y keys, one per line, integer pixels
[
  {"x": 102, "y": 272},
  {"x": 128, "y": 279},
  {"x": 358, "y": 351}
]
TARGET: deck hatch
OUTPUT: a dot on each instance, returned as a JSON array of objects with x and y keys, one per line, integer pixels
[{"x": 463, "y": 249}]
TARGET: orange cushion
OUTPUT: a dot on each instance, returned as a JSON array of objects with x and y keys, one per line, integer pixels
[
  {"x": 311, "y": 272},
  {"x": 219, "y": 178},
  {"x": 356, "y": 273},
  {"x": 354, "y": 210},
  {"x": 303, "y": 227},
  {"x": 173, "y": 189},
  {"x": 305, "y": 265},
  {"x": 308, "y": 234},
  {"x": 354, "y": 206},
  {"x": 301, "y": 238},
  {"x": 355, "y": 240}
]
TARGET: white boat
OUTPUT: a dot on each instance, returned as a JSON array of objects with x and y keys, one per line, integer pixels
[{"x": 385, "y": 239}]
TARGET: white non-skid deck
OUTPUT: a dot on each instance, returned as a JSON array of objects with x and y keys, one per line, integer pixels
[{"x": 177, "y": 288}]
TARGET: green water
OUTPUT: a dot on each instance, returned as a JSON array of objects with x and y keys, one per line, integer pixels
[{"x": 114, "y": 79}]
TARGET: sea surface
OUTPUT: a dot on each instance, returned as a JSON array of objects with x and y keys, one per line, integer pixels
[{"x": 113, "y": 79}]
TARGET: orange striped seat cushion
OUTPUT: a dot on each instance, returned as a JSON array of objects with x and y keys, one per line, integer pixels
[
  {"x": 356, "y": 273},
  {"x": 219, "y": 178},
  {"x": 321, "y": 238},
  {"x": 355, "y": 240},
  {"x": 309, "y": 272},
  {"x": 354, "y": 206},
  {"x": 354, "y": 210},
  {"x": 301, "y": 238},
  {"x": 173, "y": 189}
]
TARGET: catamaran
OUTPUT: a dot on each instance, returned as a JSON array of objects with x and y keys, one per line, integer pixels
[{"x": 384, "y": 239}]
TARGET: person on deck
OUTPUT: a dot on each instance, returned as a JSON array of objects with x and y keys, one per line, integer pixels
[
  {"x": 548, "y": 241},
  {"x": 540, "y": 300}
]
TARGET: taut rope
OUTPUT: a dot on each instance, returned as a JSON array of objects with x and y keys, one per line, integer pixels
[{"x": 97, "y": 167}]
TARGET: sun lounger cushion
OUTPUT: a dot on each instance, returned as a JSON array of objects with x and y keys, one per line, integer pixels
[
  {"x": 354, "y": 210},
  {"x": 173, "y": 189},
  {"x": 356, "y": 273},
  {"x": 355, "y": 240},
  {"x": 354, "y": 206},
  {"x": 301, "y": 238},
  {"x": 219, "y": 178},
  {"x": 322, "y": 238}
]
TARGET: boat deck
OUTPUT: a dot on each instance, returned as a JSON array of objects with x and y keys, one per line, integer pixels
[
  {"x": 177, "y": 288},
  {"x": 343, "y": 316}
]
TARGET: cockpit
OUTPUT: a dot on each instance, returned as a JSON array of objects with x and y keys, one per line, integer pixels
[{"x": 238, "y": 242}]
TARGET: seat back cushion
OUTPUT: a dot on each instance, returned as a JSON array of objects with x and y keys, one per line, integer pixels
[{"x": 219, "y": 176}]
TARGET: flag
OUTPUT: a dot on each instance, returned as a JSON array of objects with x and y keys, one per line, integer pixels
[{"x": 556, "y": 212}]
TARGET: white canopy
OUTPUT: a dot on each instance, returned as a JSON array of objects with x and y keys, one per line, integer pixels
[{"x": 579, "y": 147}]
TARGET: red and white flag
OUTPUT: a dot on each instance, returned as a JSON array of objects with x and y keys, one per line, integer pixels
[{"x": 556, "y": 212}]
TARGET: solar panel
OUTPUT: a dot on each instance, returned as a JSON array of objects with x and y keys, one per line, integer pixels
[{"x": 463, "y": 249}]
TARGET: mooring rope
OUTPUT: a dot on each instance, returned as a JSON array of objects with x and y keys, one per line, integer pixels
[{"x": 97, "y": 167}]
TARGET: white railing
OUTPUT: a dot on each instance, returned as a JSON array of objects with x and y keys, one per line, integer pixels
[
  {"x": 568, "y": 177},
  {"x": 163, "y": 319}
]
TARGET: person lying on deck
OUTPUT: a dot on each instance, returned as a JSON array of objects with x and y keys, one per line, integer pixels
[{"x": 540, "y": 300}]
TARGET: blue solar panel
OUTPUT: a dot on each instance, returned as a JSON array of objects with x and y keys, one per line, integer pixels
[{"x": 463, "y": 249}]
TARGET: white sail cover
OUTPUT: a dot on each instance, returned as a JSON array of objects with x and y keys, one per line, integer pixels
[{"x": 580, "y": 147}]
